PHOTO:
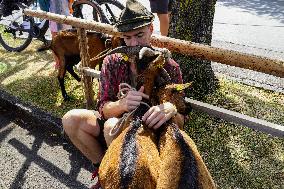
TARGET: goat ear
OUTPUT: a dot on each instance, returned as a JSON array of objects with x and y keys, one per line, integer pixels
[
  {"x": 186, "y": 85},
  {"x": 146, "y": 51},
  {"x": 117, "y": 41},
  {"x": 108, "y": 43},
  {"x": 180, "y": 87}
]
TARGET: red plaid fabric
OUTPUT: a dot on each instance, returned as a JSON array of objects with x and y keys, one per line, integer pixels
[{"x": 115, "y": 70}]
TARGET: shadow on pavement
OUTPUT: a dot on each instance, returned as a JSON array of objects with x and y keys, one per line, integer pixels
[
  {"x": 274, "y": 8},
  {"x": 42, "y": 135},
  {"x": 32, "y": 157}
]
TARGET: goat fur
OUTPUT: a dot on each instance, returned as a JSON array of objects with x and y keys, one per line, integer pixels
[
  {"x": 65, "y": 46},
  {"x": 178, "y": 153},
  {"x": 132, "y": 159},
  {"x": 170, "y": 160}
]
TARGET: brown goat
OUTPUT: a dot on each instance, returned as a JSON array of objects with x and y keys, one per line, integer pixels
[
  {"x": 137, "y": 158},
  {"x": 178, "y": 153},
  {"x": 132, "y": 159},
  {"x": 65, "y": 46}
]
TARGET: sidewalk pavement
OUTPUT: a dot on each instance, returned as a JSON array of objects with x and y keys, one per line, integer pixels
[
  {"x": 253, "y": 23},
  {"x": 253, "y": 26}
]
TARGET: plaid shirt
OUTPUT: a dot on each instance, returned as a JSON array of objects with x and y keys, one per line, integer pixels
[{"x": 116, "y": 70}]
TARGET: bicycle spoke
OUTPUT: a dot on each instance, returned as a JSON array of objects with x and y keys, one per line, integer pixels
[
  {"x": 87, "y": 12},
  {"x": 106, "y": 11},
  {"x": 111, "y": 11}
]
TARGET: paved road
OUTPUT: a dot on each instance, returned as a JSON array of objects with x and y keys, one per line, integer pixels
[
  {"x": 254, "y": 23},
  {"x": 250, "y": 26},
  {"x": 34, "y": 157}
]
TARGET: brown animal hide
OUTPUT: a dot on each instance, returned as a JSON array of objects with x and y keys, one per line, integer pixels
[
  {"x": 132, "y": 159},
  {"x": 136, "y": 160},
  {"x": 66, "y": 43},
  {"x": 65, "y": 46},
  {"x": 178, "y": 153},
  {"x": 181, "y": 164}
]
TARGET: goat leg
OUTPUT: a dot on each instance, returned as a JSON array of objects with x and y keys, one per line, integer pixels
[
  {"x": 70, "y": 69},
  {"x": 62, "y": 87},
  {"x": 60, "y": 77}
]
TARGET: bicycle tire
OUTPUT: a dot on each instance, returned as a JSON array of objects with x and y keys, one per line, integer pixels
[
  {"x": 98, "y": 13},
  {"x": 78, "y": 7},
  {"x": 115, "y": 4},
  {"x": 15, "y": 33}
]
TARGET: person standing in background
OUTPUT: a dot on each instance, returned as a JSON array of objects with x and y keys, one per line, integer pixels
[
  {"x": 62, "y": 7},
  {"x": 163, "y": 10},
  {"x": 44, "y": 5}
]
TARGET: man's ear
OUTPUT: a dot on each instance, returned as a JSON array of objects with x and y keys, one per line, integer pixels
[{"x": 152, "y": 27}]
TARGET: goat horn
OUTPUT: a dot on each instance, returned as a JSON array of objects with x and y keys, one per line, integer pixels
[
  {"x": 128, "y": 50},
  {"x": 100, "y": 55},
  {"x": 179, "y": 87}
]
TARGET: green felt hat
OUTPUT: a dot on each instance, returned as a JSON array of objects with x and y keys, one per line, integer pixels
[{"x": 133, "y": 16}]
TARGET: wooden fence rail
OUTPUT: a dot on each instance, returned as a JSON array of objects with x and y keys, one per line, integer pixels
[
  {"x": 235, "y": 117},
  {"x": 229, "y": 57},
  {"x": 224, "y": 56}
]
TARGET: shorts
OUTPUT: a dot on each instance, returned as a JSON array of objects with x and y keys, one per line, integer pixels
[
  {"x": 161, "y": 6},
  {"x": 101, "y": 138},
  {"x": 101, "y": 123},
  {"x": 59, "y": 7}
]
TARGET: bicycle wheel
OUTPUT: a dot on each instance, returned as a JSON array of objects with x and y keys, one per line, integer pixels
[
  {"x": 105, "y": 11},
  {"x": 15, "y": 30},
  {"x": 111, "y": 9},
  {"x": 88, "y": 10}
]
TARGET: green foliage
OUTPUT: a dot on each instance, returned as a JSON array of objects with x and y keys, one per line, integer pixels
[
  {"x": 3, "y": 67},
  {"x": 236, "y": 156}
]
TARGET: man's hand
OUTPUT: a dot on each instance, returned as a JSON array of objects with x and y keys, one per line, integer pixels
[
  {"x": 158, "y": 115},
  {"x": 133, "y": 99}
]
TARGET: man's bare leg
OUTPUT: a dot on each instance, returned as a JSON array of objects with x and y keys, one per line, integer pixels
[
  {"x": 109, "y": 125},
  {"x": 81, "y": 127},
  {"x": 164, "y": 23}
]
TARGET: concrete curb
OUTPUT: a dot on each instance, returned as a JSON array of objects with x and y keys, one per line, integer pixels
[{"x": 32, "y": 113}]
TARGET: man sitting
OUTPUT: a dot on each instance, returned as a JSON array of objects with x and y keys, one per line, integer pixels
[{"x": 84, "y": 127}]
